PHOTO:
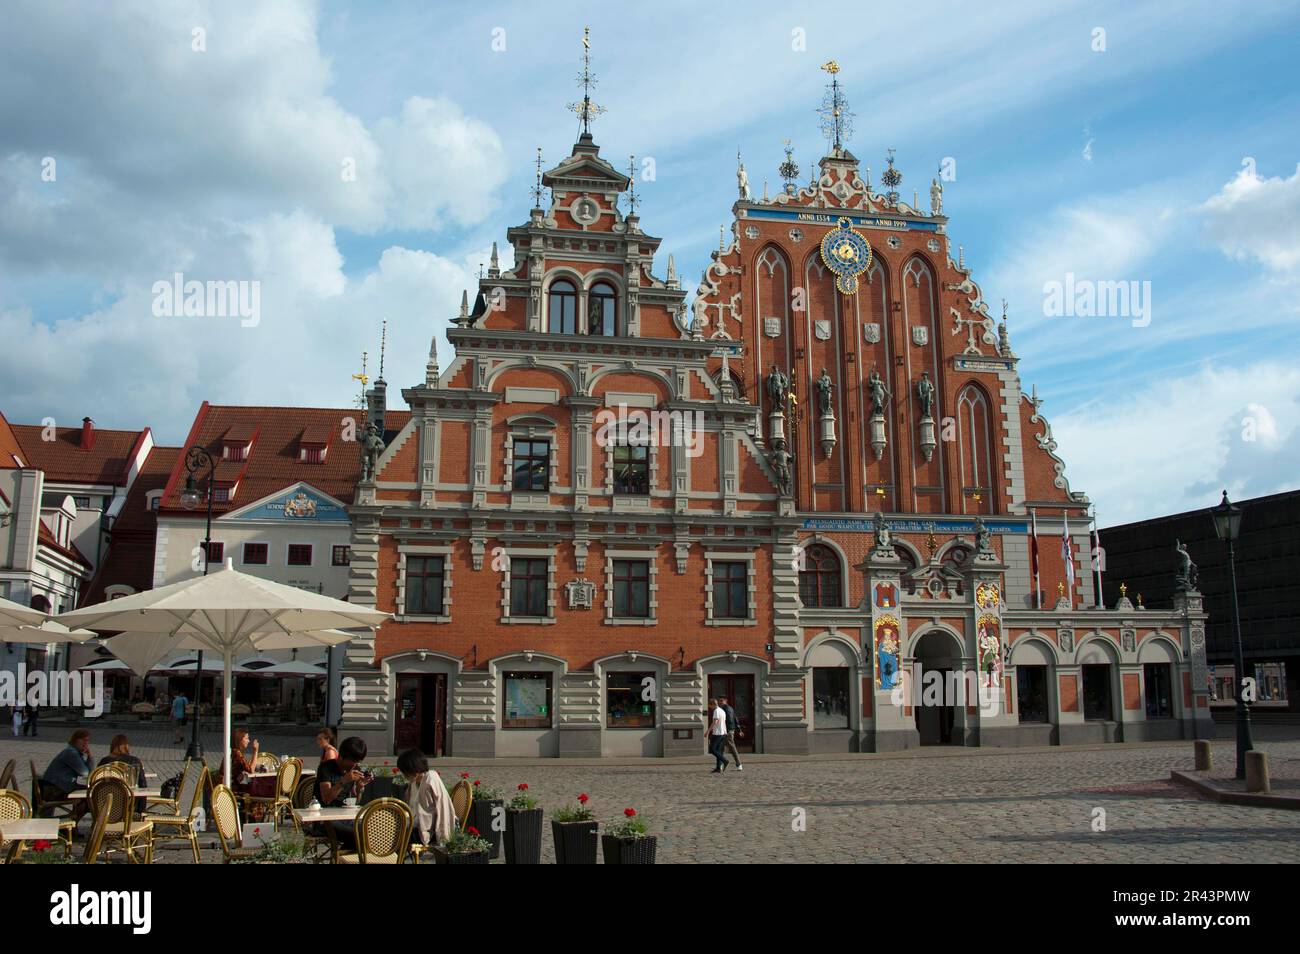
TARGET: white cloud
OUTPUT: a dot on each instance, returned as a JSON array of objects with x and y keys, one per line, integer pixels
[
  {"x": 1173, "y": 443},
  {"x": 1258, "y": 218}
]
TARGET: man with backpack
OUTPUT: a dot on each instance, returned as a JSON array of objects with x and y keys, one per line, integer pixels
[
  {"x": 733, "y": 727},
  {"x": 717, "y": 735}
]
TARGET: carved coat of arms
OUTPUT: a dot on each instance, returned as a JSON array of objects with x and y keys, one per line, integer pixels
[
  {"x": 772, "y": 327},
  {"x": 300, "y": 505},
  {"x": 871, "y": 332},
  {"x": 920, "y": 335},
  {"x": 822, "y": 329}
]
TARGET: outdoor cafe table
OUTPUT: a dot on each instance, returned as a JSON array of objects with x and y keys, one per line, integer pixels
[
  {"x": 23, "y": 830},
  {"x": 308, "y": 816},
  {"x": 138, "y": 793},
  {"x": 262, "y": 784}
]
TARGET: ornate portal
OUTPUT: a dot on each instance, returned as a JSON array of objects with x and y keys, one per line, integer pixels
[{"x": 847, "y": 254}]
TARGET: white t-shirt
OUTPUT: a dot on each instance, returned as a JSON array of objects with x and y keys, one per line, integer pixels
[{"x": 718, "y": 722}]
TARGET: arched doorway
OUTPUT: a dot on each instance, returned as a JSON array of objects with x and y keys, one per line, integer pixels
[{"x": 938, "y": 689}]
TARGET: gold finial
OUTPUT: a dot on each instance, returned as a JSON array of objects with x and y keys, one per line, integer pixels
[
  {"x": 586, "y": 110},
  {"x": 363, "y": 378},
  {"x": 1140, "y": 606},
  {"x": 830, "y": 66},
  {"x": 931, "y": 543},
  {"x": 1060, "y": 589},
  {"x": 1123, "y": 590}
]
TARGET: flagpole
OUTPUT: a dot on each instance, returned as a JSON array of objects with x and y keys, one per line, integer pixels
[{"x": 1097, "y": 559}]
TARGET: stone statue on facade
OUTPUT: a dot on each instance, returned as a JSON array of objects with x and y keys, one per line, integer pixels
[
  {"x": 372, "y": 445},
  {"x": 877, "y": 385},
  {"x": 884, "y": 541},
  {"x": 983, "y": 538},
  {"x": 742, "y": 179},
  {"x": 925, "y": 394},
  {"x": 781, "y": 461},
  {"x": 778, "y": 389},
  {"x": 823, "y": 386},
  {"x": 1188, "y": 577},
  {"x": 936, "y": 197}
]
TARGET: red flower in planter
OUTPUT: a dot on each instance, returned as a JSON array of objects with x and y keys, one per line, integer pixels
[
  {"x": 464, "y": 774},
  {"x": 472, "y": 830},
  {"x": 40, "y": 844},
  {"x": 522, "y": 786},
  {"x": 478, "y": 781},
  {"x": 630, "y": 812},
  {"x": 582, "y": 799}
]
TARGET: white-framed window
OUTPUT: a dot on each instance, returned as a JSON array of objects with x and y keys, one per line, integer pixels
[
  {"x": 528, "y": 586},
  {"x": 532, "y": 475},
  {"x": 298, "y": 554},
  {"x": 730, "y": 590},
  {"x": 631, "y": 587},
  {"x": 424, "y": 583}
]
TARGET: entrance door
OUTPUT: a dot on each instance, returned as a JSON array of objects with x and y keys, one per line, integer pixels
[
  {"x": 739, "y": 690},
  {"x": 939, "y": 691},
  {"x": 935, "y": 722},
  {"x": 420, "y": 719}
]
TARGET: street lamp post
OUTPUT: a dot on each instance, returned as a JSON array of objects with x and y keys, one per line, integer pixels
[
  {"x": 195, "y": 459},
  {"x": 1227, "y": 524}
]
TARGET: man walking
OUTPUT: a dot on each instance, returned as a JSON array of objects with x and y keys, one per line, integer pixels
[
  {"x": 717, "y": 735},
  {"x": 178, "y": 715},
  {"x": 733, "y": 728}
]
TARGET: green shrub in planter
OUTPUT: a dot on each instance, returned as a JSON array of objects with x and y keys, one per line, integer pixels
[
  {"x": 523, "y": 836},
  {"x": 488, "y": 805},
  {"x": 629, "y": 843},
  {"x": 574, "y": 831},
  {"x": 466, "y": 847}
]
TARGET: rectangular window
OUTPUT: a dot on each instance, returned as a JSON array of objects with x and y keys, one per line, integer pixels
[
  {"x": 235, "y": 451},
  {"x": 630, "y": 700},
  {"x": 526, "y": 700},
  {"x": 1096, "y": 693},
  {"x": 631, "y": 469},
  {"x": 222, "y": 494},
  {"x": 82, "y": 503},
  {"x": 830, "y": 697},
  {"x": 300, "y": 554},
  {"x": 340, "y": 556},
  {"x": 528, "y": 587},
  {"x": 730, "y": 590},
  {"x": 632, "y": 589},
  {"x": 532, "y": 463},
  {"x": 1031, "y": 693},
  {"x": 255, "y": 554},
  {"x": 155, "y": 503},
  {"x": 216, "y": 551},
  {"x": 1160, "y": 690},
  {"x": 313, "y": 455},
  {"x": 424, "y": 579}
]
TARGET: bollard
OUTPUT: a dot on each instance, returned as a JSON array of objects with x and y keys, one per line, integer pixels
[
  {"x": 1256, "y": 771},
  {"x": 1202, "y": 749}
]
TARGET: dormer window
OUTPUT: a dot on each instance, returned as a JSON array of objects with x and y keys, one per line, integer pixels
[
  {"x": 232, "y": 450},
  {"x": 562, "y": 308},
  {"x": 313, "y": 444},
  {"x": 223, "y": 493},
  {"x": 602, "y": 310}
]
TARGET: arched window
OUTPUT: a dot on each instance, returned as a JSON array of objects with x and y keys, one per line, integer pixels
[
  {"x": 819, "y": 579},
  {"x": 601, "y": 310},
  {"x": 562, "y": 308},
  {"x": 975, "y": 449}
]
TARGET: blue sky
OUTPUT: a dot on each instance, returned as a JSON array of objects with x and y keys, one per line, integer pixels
[{"x": 1169, "y": 157}]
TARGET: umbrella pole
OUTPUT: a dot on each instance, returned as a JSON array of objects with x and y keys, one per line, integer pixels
[{"x": 225, "y": 723}]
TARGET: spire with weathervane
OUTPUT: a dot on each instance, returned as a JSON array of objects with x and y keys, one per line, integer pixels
[
  {"x": 837, "y": 121},
  {"x": 891, "y": 178},
  {"x": 587, "y": 110}
]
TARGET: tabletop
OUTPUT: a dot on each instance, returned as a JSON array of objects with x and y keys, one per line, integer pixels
[
  {"x": 138, "y": 793},
  {"x": 30, "y": 829},
  {"x": 309, "y": 815}
]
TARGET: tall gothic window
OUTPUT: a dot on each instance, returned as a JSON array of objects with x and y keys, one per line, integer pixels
[
  {"x": 975, "y": 449},
  {"x": 562, "y": 308},
  {"x": 819, "y": 580},
  {"x": 601, "y": 310}
]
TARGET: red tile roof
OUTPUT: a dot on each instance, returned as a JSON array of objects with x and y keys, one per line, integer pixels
[
  {"x": 108, "y": 461},
  {"x": 131, "y": 544},
  {"x": 273, "y": 464},
  {"x": 11, "y": 452}
]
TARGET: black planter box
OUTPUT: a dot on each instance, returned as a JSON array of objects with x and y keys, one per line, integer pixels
[
  {"x": 575, "y": 842},
  {"x": 480, "y": 817},
  {"x": 628, "y": 851},
  {"x": 523, "y": 840},
  {"x": 461, "y": 858}
]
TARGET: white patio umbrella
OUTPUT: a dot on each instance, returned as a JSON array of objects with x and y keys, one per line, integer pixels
[
  {"x": 47, "y": 632},
  {"x": 15, "y": 614},
  {"x": 230, "y": 612}
]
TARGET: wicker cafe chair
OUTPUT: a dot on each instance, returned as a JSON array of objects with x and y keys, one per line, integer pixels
[
  {"x": 286, "y": 782},
  {"x": 225, "y": 813},
  {"x": 112, "y": 801},
  {"x": 462, "y": 797},
  {"x": 48, "y": 807},
  {"x": 265, "y": 760},
  {"x": 116, "y": 769},
  {"x": 12, "y": 807},
  {"x": 383, "y": 834},
  {"x": 178, "y": 826},
  {"x": 7, "y": 776},
  {"x": 172, "y": 806},
  {"x": 322, "y": 847}
]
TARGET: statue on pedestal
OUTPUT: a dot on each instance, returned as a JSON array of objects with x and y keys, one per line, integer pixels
[
  {"x": 781, "y": 461},
  {"x": 877, "y": 385},
  {"x": 372, "y": 445},
  {"x": 884, "y": 541},
  {"x": 778, "y": 389},
  {"x": 823, "y": 386},
  {"x": 1187, "y": 577},
  {"x": 925, "y": 395}
]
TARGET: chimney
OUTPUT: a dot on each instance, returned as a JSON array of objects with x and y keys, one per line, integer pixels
[
  {"x": 377, "y": 399},
  {"x": 87, "y": 433}
]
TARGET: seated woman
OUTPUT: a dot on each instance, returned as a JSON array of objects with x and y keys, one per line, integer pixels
[
  {"x": 63, "y": 774},
  {"x": 325, "y": 739},
  {"x": 431, "y": 807},
  {"x": 240, "y": 766},
  {"x": 119, "y": 750}
]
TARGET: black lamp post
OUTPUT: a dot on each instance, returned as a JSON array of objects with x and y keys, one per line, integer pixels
[
  {"x": 1227, "y": 524},
  {"x": 196, "y": 458}
]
